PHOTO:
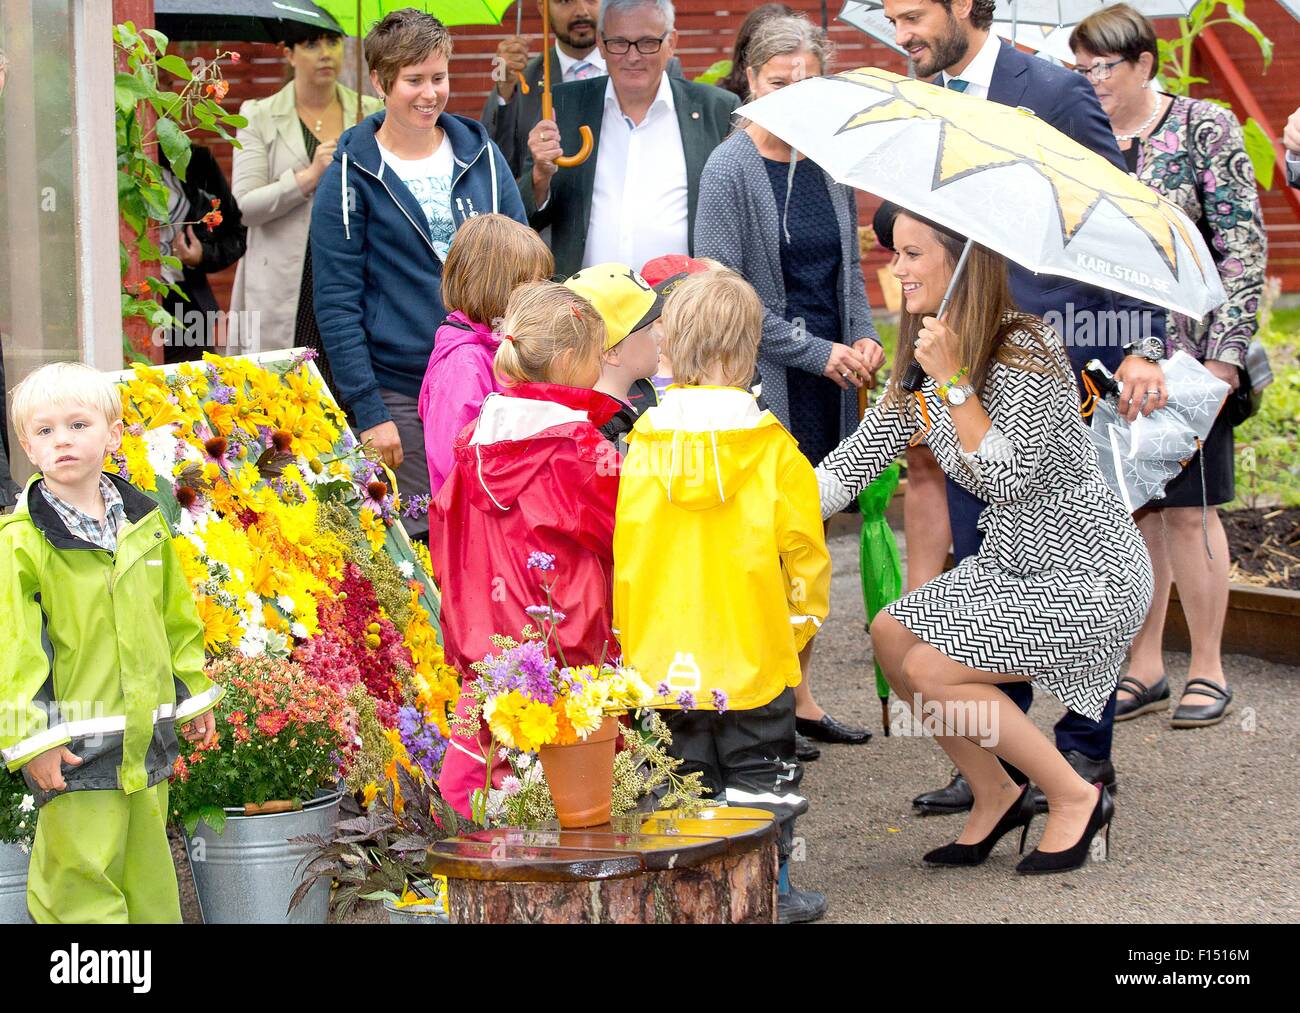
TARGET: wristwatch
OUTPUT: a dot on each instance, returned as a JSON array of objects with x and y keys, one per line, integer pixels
[
  {"x": 1151, "y": 349},
  {"x": 958, "y": 395}
]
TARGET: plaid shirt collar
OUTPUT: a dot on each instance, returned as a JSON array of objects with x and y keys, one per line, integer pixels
[{"x": 81, "y": 525}]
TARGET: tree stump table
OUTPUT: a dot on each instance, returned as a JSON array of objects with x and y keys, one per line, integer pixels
[{"x": 719, "y": 867}]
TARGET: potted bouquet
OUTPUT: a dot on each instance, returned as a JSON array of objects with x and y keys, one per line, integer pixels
[
  {"x": 271, "y": 775},
  {"x": 17, "y": 830}
]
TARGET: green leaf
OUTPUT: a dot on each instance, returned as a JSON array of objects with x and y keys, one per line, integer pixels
[
  {"x": 1238, "y": 18},
  {"x": 125, "y": 35},
  {"x": 128, "y": 90},
  {"x": 191, "y": 819},
  {"x": 714, "y": 73},
  {"x": 214, "y": 816},
  {"x": 175, "y": 145},
  {"x": 1262, "y": 154},
  {"x": 175, "y": 65},
  {"x": 159, "y": 39},
  {"x": 172, "y": 262},
  {"x": 234, "y": 120}
]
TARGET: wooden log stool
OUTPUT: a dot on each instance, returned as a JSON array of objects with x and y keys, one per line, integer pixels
[{"x": 719, "y": 867}]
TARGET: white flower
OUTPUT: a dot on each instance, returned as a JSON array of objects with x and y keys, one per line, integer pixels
[
  {"x": 525, "y": 759},
  {"x": 29, "y": 803},
  {"x": 254, "y": 641},
  {"x": 300, "y": 631},
  {"x": 286, "y": 603},
  {"x": 503, "y": 754},
  {"x": 160, "y": 449},
  {"x": 406, "y": 568}
]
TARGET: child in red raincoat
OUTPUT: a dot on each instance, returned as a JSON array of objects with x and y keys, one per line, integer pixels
[{"x": 530, "y": 497}]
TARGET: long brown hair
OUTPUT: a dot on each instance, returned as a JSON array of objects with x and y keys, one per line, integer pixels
[{"x": 983, "y": 315}]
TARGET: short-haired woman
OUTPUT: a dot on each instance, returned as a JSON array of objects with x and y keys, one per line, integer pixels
[
  {"x": 1192, "y": 152},
  {"x": 284, "y": 151},
  {"x": 787, "y": 228},
  {"x": 400, "y": 184},
  {"x": 1062, "y": 579}
]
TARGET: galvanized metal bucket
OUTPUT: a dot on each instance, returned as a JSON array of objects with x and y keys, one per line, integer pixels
[
  {"x": 13, "y": 885},
  {"x": 247, "y": 873}
]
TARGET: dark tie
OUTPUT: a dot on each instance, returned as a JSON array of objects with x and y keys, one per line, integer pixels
[{"x": 957, "y": 84}]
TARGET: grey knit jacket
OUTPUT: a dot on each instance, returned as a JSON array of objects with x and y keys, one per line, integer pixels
[{"x": 737, "y": 223}]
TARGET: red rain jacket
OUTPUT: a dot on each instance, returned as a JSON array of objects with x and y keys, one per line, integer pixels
[{"x": 531, "y": 474}]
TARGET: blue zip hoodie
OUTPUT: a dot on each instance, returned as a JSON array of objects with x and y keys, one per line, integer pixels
[{"x": 377, "y": 278}]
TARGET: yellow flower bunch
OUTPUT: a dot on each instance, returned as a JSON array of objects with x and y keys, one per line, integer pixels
[
  {"x": 520, "y": 723},
  {"x": 436, "y": 694}
]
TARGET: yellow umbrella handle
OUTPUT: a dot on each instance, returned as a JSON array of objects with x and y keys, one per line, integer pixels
[{"x": 548, "y": 108}]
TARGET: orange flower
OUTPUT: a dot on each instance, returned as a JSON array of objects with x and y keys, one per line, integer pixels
[{"x": 212, "y": 219}]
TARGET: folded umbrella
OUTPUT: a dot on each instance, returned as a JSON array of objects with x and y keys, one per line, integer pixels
[{"x": 1139, "y": 459}]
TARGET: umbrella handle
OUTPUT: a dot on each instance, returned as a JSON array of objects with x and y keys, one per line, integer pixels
[
  {"x": 583, "y": 153},
  {"x": 523, "y": 84}
]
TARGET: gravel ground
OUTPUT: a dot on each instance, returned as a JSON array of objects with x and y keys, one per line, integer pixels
[{"x": 1205, "y": 828}]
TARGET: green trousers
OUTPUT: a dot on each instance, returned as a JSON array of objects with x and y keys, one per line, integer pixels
[{"x": 103, "y": 857}]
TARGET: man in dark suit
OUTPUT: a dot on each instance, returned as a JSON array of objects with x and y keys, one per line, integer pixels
[
  {"x": 951, "y": 39},
  {"x": 509, "y": 114},
  {"x": 634, "y": 198}
]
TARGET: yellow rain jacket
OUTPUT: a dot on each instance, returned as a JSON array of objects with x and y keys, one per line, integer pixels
[{"x": 721, "y": 572}]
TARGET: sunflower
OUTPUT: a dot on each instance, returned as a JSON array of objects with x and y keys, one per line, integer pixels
[{"x": 220, "y": 624}]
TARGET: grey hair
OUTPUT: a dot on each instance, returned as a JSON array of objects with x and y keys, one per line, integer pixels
[
  {"x": 664, "y": 7},
  {"x": 782, "y": 36}
]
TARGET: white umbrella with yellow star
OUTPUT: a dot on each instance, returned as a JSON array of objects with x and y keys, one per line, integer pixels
[{"x": 1000, "y": 176}]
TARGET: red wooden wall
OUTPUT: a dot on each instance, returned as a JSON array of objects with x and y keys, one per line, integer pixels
[{"x": 707, "y": 30}]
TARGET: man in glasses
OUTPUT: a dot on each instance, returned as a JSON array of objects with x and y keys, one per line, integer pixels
[
  {"x": 950, "y": 41},
  {"x": 510, "y": 114},
  {"x": 634, "y": 199}
]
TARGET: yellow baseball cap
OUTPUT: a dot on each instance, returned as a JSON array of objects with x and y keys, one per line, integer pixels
[{"x": 624, "y": 300}]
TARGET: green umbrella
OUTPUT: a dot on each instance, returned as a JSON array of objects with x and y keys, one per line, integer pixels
[
  {"x": 357, "y": 17},
  {"x": 882, "y": 575}
]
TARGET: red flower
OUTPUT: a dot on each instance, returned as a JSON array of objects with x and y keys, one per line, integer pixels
[
  {"x": 271, "y": 723},
  {"x": 212, "y": 219},
  {"x": 234, "y": 57},
  {"x": 237, "y": 718},
  {"x": 282, "y": 441}
]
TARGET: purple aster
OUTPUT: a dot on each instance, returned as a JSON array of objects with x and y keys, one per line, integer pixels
[
  {"x": 686, "y": 700},
  {"x": 422, "y": 740},
  {"x": 306, "y": 355},
  {"x": 541, "y": 561},
  {"x": 222, "y": 394},
  {"x": 719, "y": 701},
  {"x": 535, "y": 668},
  {"x": 663, "y": 689}
]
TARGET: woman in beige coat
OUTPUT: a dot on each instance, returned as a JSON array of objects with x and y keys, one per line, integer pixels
[{"x": 286, "y": 147}]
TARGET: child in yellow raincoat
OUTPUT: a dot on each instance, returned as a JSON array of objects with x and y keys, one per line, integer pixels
[
  {"x": 721, "y": 572},
  {"x": 103, "y": 661}
]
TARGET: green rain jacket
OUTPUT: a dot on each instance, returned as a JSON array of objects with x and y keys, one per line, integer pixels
[{"x": 101, "y": 651}]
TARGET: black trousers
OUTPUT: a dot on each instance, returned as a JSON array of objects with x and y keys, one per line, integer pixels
[{"x": 747, "y": 758}]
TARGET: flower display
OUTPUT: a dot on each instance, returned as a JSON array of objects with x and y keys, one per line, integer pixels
[
  {"x": 17, "y": 810},
  {"x": 284, "y": 528}
]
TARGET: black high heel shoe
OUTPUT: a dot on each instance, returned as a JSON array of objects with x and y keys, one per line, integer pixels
[
  {"x": 1021, "y": 814},
  {"x": 1037, "y": 862}
]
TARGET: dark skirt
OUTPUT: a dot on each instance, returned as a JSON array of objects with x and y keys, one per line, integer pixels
[
  {"x": 1218, "y": 456},
  {"x": 814, "y": 413}
]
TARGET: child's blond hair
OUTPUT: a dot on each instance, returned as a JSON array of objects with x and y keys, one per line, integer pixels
[
  {"x": 63, "y": 383},
  {"x": 549, "y": 334},
  {"x": 491, "y": 256},
  {"x": 713, "y": 319}
]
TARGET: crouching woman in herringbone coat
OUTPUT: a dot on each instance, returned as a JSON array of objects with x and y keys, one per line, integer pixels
[{"x": 1062, "y": 580}]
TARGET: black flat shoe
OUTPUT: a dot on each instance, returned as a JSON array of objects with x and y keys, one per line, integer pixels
[
  {"x": 954, "y": 797},
  {"x": 1205, "y": 714},
  {"x": 1087, "y": 768},
  {"x": 1021, "y": 814},
  {"x": 830, "y": 730},
  {"x": 1040, "y": 862},
  {"x": 1145, "y": 699},
  {"x": 804, "y": 749}
]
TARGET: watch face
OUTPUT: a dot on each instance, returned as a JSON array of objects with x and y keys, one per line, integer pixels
[{"x": 957, "y": 396}]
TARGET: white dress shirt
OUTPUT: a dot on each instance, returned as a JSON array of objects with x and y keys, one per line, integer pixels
[
  {"x": 978, "y": 75},
  {"x": 639, "y": 203}
]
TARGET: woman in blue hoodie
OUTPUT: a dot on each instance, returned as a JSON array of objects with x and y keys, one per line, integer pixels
[{"x": 401, "y": 183}]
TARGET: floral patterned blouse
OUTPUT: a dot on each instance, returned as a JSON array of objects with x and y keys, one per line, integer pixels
[{"x": 1197, "y": 158}]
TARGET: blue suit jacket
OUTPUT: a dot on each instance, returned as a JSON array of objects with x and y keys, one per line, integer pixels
[{"x": 1066, "y": 101}]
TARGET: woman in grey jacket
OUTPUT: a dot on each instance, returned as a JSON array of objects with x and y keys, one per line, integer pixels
[{"x": 780, "y": 221}]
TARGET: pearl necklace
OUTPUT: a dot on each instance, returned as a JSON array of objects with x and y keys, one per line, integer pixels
[{"x": 1155, "y": 111}]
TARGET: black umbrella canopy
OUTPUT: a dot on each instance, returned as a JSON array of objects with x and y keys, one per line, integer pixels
[{"x": 239, "y": 20}]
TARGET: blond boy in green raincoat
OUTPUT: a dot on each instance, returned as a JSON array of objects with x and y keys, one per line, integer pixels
[{"x": 103, "y": 661}]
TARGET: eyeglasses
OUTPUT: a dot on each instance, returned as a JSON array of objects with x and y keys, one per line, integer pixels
[
  {"x": 1098, "y": 72},
  {"x": 646, "y": 47}
]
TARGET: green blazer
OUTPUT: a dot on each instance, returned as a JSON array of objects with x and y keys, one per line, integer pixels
[{"x": 703, "y": 116}]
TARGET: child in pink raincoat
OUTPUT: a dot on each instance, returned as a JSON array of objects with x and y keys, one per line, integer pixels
[{"x": 490, "y": 257}]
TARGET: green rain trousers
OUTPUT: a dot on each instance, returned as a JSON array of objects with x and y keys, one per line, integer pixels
[{"x": 120, "y": 872}]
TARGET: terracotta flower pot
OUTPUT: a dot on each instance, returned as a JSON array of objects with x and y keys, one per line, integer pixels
[{"x": 581, "y": 776}]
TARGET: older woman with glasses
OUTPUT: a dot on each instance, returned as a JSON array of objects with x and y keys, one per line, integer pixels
[{"x": 1191, "y": 151}]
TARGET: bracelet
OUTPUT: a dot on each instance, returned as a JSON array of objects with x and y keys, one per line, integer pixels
[{"x": 944, "y": 388}]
